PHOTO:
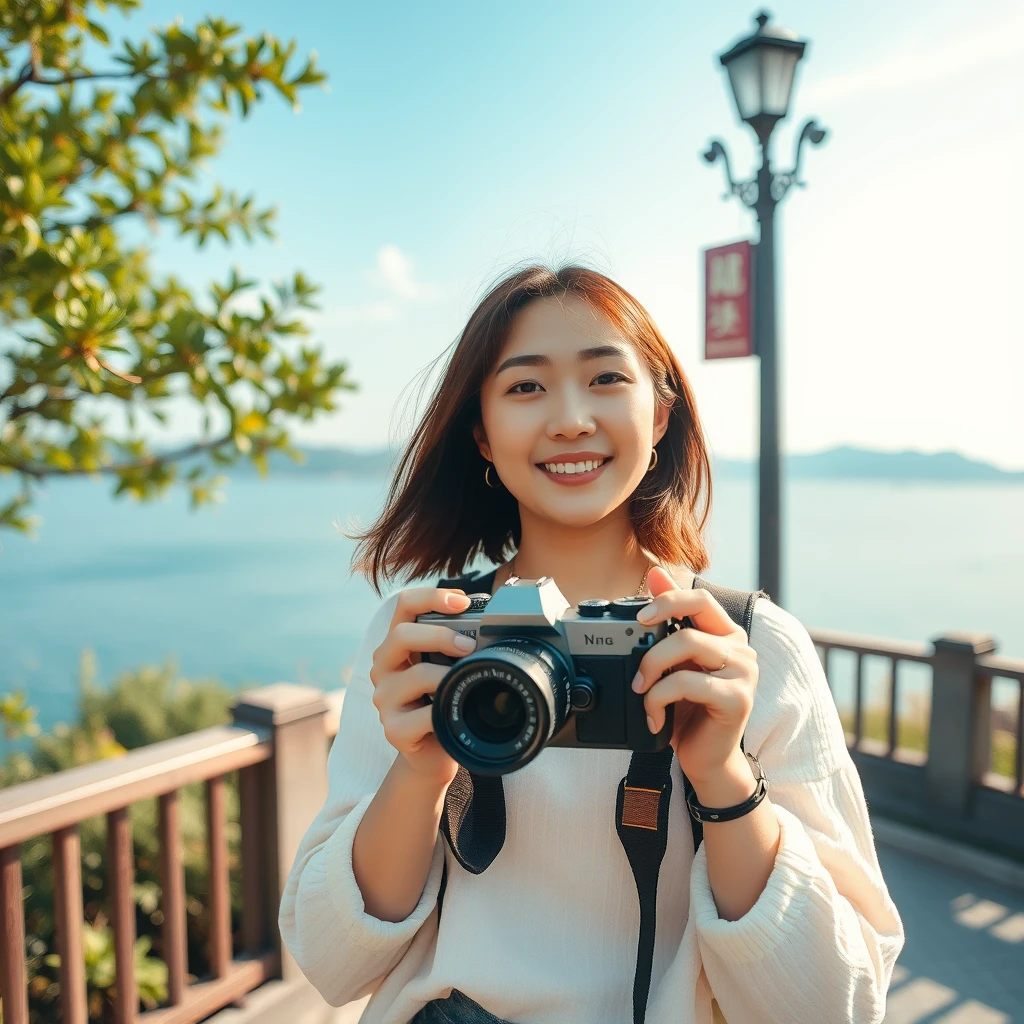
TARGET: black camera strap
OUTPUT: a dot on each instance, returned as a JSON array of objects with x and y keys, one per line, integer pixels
[
  {"x": 473, "y": 819},
  {"x": 641, "y": 820},
  {"x": 641, "y": 812}
]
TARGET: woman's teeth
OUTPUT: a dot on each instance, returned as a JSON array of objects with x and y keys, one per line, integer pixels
[{"x": 573, "y": 467}]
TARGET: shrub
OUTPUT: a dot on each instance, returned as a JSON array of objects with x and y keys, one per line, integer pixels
[{"x": 143, "y": 706}]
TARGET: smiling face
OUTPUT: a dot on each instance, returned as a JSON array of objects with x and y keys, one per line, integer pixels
[{"x": 569, "y": 414}]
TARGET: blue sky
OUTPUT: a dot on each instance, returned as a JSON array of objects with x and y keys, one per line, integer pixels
[{"x": 458, "y": 139}]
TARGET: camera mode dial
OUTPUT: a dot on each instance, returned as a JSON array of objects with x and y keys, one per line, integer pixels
[{"x": 627, "y": 607}]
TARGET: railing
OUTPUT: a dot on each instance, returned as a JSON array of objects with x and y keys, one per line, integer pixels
[
  {"x": 278, "y": 745},
  {"x": 947, "y": 785}
]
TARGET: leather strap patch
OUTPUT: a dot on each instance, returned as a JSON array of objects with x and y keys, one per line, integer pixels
[{"x": 640, "y": 807}]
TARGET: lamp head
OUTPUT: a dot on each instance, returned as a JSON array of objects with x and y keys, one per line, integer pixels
[{"x": 761, "y": 69}]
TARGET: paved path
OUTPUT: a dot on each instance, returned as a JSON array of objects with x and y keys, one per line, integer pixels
[{"x": 963, "y": 962}]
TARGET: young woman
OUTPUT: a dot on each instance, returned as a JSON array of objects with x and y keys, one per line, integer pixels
[{"x": 565, "y": 434}]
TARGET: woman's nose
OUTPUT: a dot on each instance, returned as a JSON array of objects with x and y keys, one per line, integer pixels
[{"x": 570, "y": 417}]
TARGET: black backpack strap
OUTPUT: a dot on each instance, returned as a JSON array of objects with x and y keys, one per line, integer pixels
[
  {"x": 641, "y": 813},
  {"x": 738, "y": 604},
  {"x": 473, "y": 819}
]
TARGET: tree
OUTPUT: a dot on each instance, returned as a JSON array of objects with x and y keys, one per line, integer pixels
[{"x": 93, "y": 344}]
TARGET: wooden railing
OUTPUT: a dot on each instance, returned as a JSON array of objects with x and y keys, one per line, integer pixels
[
  {"x": 949, "y": 787},
  {"x": 278, "y": 744}
]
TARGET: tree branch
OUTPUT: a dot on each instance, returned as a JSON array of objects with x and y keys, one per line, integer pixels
[
  {"x": 39, "y": 472},
  {"x": 23, "y": 410},
  {"x": 159, "y": 180},
  {"x": 30, "y": 74},
  {"x": 93, "y": 222},
  {"x": 80, "y": 76},
  {"x": 24, "y": 76}
]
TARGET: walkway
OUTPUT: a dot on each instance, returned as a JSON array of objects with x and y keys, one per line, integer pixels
[{"x": 963, "y": 962}]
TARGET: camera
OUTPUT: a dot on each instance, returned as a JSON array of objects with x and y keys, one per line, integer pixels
[{"x": 543, "y": 674}]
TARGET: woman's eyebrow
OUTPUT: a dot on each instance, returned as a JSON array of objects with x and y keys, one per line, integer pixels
[{"x": 597, "y": 352}]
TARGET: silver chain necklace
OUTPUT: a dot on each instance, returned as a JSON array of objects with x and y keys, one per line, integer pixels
[{"x": 639, "y": 590}]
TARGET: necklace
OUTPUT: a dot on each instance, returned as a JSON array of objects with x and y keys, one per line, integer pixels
[{"x": 639, "y": 590}]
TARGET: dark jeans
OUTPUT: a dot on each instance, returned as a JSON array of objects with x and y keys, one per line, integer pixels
[{"x": 458, "y": 1008}]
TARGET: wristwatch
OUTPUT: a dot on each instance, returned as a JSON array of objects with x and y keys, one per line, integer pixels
[{"x": 701, "y": 813}]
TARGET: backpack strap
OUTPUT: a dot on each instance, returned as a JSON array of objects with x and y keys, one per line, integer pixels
[{"x": 641, "y": 812}]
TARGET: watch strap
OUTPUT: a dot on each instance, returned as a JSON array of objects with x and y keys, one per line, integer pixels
[{"x": 699, "y": 812}]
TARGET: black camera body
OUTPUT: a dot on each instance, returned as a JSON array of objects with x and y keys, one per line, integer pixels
[{"x": 543, "y": 674}]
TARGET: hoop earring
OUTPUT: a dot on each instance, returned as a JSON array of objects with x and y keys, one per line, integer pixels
[
  {"x": 654, "y": 459},
  {"x": 487, "y": 478}
]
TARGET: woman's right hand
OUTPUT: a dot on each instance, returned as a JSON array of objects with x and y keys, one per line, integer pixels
[{"x": 402, "y": 680}]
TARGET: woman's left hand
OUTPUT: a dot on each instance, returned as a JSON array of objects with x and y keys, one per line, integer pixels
[{"x": 685, "y": 668}]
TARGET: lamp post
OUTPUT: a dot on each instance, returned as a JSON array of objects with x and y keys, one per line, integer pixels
[{"x": 761, "y": 69}]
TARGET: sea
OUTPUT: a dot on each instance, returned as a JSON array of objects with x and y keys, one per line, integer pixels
[{"x": 259, "y": 589}]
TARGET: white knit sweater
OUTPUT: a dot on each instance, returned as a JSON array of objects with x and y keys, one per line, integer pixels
[{"x": 548, "y": 933}]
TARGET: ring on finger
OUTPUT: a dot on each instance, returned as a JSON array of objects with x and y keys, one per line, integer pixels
[{"x": 722, "y": 667}]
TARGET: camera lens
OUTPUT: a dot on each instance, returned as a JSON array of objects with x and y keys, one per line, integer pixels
[
  {"x": 495, "y": 712},
  {"x": 497, "y": 707}
]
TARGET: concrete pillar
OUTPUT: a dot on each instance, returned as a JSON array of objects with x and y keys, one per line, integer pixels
[{"x": 960, "y": 732}]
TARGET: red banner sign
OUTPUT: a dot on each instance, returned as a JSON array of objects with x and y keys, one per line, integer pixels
[{"x": 728, "y": 301}]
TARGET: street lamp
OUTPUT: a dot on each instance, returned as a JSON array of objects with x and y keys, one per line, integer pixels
[{"x": 761, "y": 70}]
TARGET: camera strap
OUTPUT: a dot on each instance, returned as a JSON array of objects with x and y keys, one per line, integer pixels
[
  {"x": 641, "y": 812},
  {"x": 473, "y": 819}
]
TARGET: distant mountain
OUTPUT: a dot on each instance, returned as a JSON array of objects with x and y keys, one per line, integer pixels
[
  {"x": 844, "y": 463},
  {"x": 330, "y": 461}
]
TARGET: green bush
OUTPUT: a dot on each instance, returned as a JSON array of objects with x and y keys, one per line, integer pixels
[
  {"x": 141, "y": 707},
  {"x": 98, "y": 948}
]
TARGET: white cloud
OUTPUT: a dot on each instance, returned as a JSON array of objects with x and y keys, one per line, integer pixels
[
  {"x": 394, "y": 270},
  {"x": 914, "y": 66}
]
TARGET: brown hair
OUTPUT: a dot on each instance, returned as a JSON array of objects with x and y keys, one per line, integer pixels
[{"x": 440, "y": 514}]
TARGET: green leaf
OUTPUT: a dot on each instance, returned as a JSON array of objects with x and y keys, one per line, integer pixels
[
  {"x": 60, "y": 459},
  {"x": 98, "y": 32}
]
